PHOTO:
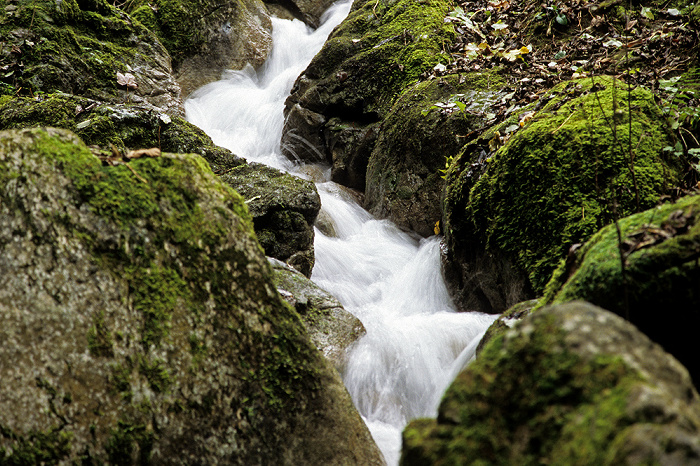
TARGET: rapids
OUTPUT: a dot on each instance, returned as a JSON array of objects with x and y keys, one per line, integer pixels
[{"x": 415, "y": 343}]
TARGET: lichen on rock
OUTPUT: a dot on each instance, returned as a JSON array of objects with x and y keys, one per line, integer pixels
[
  {"x": 521, "y": 195},
  {"x": 141, "y": 323},
  {"x": 569, "y": 384},
  {"x": 284, "y": 208}
]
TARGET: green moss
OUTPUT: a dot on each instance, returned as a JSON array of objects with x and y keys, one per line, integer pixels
[
  {"x": 100, "y": 338},
  {"x": 382, "y": 47},
  {"x": 123, "y": 126},
  {"x": 555, "y": 181},
  {"x": 527, "y": 402},
  {"x": 48, "y": 447},
  {"x": 74, "y": 47},
  {"x": 130, "y": 444}
]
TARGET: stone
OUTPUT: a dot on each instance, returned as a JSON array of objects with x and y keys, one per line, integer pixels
[
  {"x": 284, "y": 209},
  {"x": 520, "y": 196},
  {"x": 658, "y": 290},
  {"x": 331, "y": 328},
  {"x": 141, "y": 323},
  {"x": 569, "y": 384}
]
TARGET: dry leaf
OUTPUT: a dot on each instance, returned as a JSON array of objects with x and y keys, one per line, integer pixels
[{"x": 136, "y": 154}]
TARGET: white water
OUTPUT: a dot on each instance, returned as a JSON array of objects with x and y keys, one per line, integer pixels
[{"x": 415, "y": 343}]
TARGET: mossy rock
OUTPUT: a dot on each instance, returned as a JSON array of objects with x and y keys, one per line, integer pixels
[
  {"x": 78, "y": 47},
  {"x": 207, "y": 37},
  {"x": 659, "y": 289},
  {"x": 424, "y": 130},
  {"x": 141, "y": 323},
  {"x": 331, "y": 328},
  {"x": 569, "y": 384},
  {"x": 284, "y": 208},
  {"x": 368, "y": 60},
  {"x": 127, "y": 127},
  {"x": 520, "y": 196}
]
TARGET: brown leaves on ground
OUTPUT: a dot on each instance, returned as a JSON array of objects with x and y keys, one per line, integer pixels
[{"x": 117, "y": 158}]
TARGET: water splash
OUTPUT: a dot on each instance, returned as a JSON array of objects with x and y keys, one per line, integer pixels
[{"x": 415, "y": 343}]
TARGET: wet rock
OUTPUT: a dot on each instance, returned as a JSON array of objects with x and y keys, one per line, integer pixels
[
  {"x": 331, "y": 328},
  {"x": 658, "y": 290},
  {"x": 571, "y": 383},
  {"x": 309, "y": 11},
  {"x": 424, "y": 130},
  {"x": 522, "y": 194},
  {"x": 79, "y": 47},
  {"x": 141, "y": 323},
  {"x": 352, "y": 82},
  {"x": 284, "y": 209}
]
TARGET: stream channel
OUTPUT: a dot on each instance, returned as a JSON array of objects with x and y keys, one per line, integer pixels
[{"x": 416, "y": 342}]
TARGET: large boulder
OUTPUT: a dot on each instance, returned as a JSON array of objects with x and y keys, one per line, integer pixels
[
  {"x": 522, "y": 194},
  {"x": 141, "y": 323},
  {"x": 79, "y": 47},
  {"x": 284, "y": 208},
  {"x": 570, "y": 384},
  {"x": 333, "y": 111},
  {"x": 658, "y": 289},
  {"x": 331, "y": 328},
  {"x": 207, "y": 37},
  {"x": 424, "y": 130}
]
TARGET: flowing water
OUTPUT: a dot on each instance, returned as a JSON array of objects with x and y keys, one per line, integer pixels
[{"x": 415, "y": 343}]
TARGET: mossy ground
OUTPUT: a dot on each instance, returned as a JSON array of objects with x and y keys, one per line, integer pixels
[{"x": 592, "y": 151}]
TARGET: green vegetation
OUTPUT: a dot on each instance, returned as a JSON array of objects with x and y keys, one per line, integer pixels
[
  {"x": 561, "y": 176},
  {"x": 527, "y": 400}
]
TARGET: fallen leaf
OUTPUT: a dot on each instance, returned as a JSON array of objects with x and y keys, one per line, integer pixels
[{"x": 136, "y": 154}]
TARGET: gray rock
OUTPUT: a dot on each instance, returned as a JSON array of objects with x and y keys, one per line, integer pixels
[
  {"x": 284, "y": 209},
  {"x": 569, "y": 384},
  {"x": 141, "y": 323},
  {"x": 331, "y": 328}
]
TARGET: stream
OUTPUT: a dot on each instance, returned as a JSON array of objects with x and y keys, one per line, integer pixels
[{"x": 416, "y": 342}]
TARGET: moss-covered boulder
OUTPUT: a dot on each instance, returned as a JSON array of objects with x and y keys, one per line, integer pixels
[
  {"x": 424, "y": 130},
  {"x": 520, "y": 196},
  {"x": 206, "y": 37},
  {"x": 331, "y": 328},
  {"x": 126, "y": 127},
  {"x": 284, "y": 209},
  {"x": 659, "y": 288},
  {"x": 350, "y": 85},
  {"x": 78, "y": 47},
  {"x": 570, "y": 384},
  {"x": 141, "y": 323}
]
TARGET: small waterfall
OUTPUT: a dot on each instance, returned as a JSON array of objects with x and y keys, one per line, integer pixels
[{"x": 415, "y": 343}]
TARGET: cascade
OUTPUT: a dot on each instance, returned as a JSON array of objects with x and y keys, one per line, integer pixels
[{"x": 415, "y": 343}]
